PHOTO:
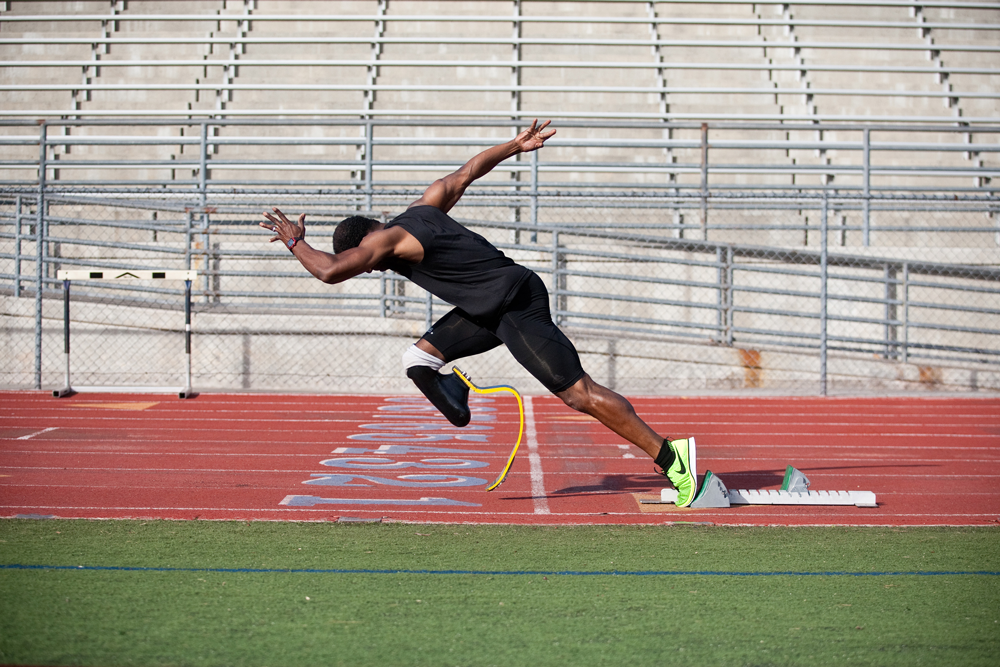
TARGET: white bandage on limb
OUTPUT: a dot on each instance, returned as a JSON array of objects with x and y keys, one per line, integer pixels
[{"x": 414, "y": 356}]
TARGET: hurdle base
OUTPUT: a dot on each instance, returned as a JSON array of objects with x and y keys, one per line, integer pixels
[{"x": 182, "y": 392}]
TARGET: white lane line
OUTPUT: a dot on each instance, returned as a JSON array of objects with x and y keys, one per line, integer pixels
[
  {"x": 534, "y": 460},
  {"x": 32, "y": 435},
  {"x": 627, "y": 454}
]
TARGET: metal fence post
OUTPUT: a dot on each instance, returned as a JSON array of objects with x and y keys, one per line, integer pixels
[
  {"x": 729, "y": 296},
  {"x": 823, "y": 298},
  {"x": 203, "y": 198},
  {"x": 203, "y": 164},
  {"x": 534, "y": 195},
  {"x": 369, "y": 179},
  {"x": 66, "y": 296},
  {"x": 867, "y": 176},
  {"x": 906, "y": 313},
  {"x": 17, "y": 246},
  {"x": 187, "y": 338},
  {"x": 995, "y": 214},
  {"x": 383, "y": 291},
  {"x": 40, "y": 249},
  {"x": 722, "y": 300},
  {"x": 188, "y": 238},
  {"x": 556, "y": 274},
  {"x": 704, "y": 181},
  {"x": 891, "y": 332}
]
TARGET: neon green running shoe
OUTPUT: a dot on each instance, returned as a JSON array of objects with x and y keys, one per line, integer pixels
[{"x": 683, "y": 472}]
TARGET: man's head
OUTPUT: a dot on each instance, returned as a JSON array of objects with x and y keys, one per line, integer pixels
[{"x": 350, "y": 232}]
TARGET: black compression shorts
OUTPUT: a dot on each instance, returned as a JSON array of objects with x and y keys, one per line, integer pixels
[{"x": 525, "y": 327}]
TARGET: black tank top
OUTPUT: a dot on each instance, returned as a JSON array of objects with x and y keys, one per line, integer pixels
[{"x": 459, "y": 266}]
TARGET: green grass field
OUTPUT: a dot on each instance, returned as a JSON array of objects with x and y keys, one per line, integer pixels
[{"x": 495, "y": 595}]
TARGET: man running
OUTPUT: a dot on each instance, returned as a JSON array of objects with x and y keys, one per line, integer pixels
[{"x": 497, "y": 302}]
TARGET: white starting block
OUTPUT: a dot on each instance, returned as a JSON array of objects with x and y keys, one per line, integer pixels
[{"x": 794, "y": 491}]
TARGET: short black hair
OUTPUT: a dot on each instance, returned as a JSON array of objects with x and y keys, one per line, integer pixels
[{"x": 350, "y": 232}]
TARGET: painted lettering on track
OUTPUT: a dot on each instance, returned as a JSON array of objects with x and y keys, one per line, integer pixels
[
  {"x": 404, "y": 427},
  {"x": 310, "y": 501}
]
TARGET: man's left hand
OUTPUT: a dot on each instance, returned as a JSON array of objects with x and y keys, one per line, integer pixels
[{"x": 534, "y": 137}]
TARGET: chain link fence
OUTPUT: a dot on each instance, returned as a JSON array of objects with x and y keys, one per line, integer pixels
[{"x": 662, "y": 294}]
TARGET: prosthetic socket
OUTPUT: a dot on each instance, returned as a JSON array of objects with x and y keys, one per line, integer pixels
[{"x": 446, "y": 392}]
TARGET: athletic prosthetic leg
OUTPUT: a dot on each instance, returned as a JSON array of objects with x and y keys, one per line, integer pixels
[
  {"x": 446, "y": 392},
  {"x": 520, "y": 406}
]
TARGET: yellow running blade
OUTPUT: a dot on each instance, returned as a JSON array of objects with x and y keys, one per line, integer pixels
[{"x": 520, "y": 432}]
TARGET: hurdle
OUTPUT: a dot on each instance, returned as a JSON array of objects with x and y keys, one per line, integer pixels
[{"x": 135, "y": 274}]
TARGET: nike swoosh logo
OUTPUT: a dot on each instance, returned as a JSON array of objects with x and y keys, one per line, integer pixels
[{"x": 683, "y": 469}]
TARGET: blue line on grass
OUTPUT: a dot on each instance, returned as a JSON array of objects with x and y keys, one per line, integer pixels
[{"x": 571, "y": 573}]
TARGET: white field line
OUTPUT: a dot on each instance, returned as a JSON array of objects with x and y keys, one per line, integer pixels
[{"x": 534, "y": 460}]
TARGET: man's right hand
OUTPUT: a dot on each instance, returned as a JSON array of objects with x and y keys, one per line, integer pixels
[{"x": 284, "y": 228}]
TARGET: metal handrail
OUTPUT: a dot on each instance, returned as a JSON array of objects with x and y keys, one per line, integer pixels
[
  {"x": 523, "y": 18},
  {"x": 513, "y": 41},
  {"x": 492, "y": 115},
  {"x": 498, "y": 64},
  {"x": 856, "y": 159},
  {"x": 490, "y": 88}
]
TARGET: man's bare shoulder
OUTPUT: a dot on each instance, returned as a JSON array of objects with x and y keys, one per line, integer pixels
[{"x": 395, "y": 242}]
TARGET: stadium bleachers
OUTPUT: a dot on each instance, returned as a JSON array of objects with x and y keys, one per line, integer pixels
[
  {"x": 843, "y": 61},
  {"x": 363, "y": 101},
  {"x": 853, "y": 62},
  {"x": 556, "y": 57}
]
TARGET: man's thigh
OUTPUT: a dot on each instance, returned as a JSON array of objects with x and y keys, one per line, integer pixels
[
  {"x": 536, "y": 342},
  {"x": 456, "y": 336}
]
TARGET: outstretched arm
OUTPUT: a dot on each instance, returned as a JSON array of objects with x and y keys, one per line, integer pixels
[
  {"x": 445, "y": 192},
  {"x": 377, "y": 247}
]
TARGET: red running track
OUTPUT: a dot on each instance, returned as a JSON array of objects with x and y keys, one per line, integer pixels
[{"x": 930, "y": 461}]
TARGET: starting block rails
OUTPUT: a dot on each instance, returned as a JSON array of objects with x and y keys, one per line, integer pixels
[{"x": 794, "y": 491}]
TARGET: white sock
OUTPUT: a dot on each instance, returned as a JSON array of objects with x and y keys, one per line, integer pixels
[{"x": 414, "y": 356}]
